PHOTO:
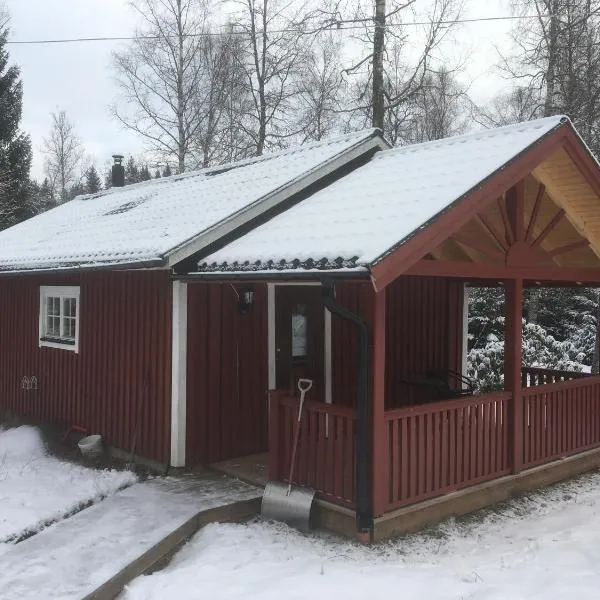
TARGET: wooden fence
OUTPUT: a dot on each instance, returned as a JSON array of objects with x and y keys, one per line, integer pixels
[
  {"x": 560, "y": 419},
  {"x": 437, "y": 448},
  {"x": 532, "y": 376},
  {"x": 326, "y": 456}
]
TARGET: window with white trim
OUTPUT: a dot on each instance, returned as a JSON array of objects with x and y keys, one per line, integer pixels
[{"x": 59, "y": 317}]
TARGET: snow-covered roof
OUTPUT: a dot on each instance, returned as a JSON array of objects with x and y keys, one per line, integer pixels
[
  {"x": 167, "y": 219},
  {"x": 360, "y": 217}
]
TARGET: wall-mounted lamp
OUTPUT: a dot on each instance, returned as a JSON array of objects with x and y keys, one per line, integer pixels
[{"x": 245, "y": 301}]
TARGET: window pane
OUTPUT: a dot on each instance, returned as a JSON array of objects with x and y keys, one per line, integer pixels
[
  {"x": 53, "y": 306},
  {"x": 53, "y": 326},
  {"x": 69, "y": 328},
  {"x": 299, "y": 331},
  {"x": 69, "y": 305}
]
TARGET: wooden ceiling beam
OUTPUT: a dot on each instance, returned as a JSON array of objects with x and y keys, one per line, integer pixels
[
  {"x": 515, "y": 209},
  {"x": 510, "y": 238},
  {"x": 484, "y": 221},
  {"x": 569, "y": 247},
  {"x": 481, "y": 248},
  {"x": 470, "y": 270},
  {"x": 534, "y": 214},
  {"x": 556, "y": 219}
]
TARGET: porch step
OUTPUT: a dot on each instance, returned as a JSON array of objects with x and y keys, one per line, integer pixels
[{"x": 95, "y": 553}]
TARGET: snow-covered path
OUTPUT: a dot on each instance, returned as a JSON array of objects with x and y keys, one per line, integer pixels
[
  {"x": 72, "y": 558},
  {"x": 37, "y": 488},
  {"x": 544, "y": 547}
]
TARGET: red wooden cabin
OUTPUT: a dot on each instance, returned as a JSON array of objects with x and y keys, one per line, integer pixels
[{"x": 198, "y": 343}]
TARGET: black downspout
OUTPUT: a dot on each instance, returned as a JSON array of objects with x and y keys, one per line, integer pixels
[{"x": 364, "y": 506}]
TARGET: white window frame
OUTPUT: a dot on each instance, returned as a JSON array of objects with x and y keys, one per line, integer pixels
[{"x": 62, "y": 292}]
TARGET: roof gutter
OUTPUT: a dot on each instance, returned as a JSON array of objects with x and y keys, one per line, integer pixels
[
  {"x": 299, "y": 275},
  {"x": 157, "y": 263}
]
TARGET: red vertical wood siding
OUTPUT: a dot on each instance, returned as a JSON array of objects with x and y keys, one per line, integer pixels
[
  {"x": 424, "y": 333},
  {"x": 122, "y": 372},
  {"x": 227, "y": 387}
]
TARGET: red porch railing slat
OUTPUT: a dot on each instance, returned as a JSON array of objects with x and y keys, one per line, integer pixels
[
  {"x": 325, "y": 458},
  {"x": 446, "y": 446},
  {"x": 565, "y": 419}
]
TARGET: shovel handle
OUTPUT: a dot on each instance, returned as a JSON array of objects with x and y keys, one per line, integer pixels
[{"x": 303, "y": 385}]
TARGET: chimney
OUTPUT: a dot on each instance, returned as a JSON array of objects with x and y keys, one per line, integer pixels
[{"x": 118, "y": 171}]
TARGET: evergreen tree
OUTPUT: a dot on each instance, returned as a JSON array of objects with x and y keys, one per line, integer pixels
[
  {"x": 157, "y": 174},
  {"x": 77, "y": 189},
  {"x": 92, "y": 180},
  {"x": 167, "y": 171},
  {"x": 46, "y": 196},
  {"x": 145, "y": 173},
  {"x": 16, "y": 191},
  {"x": 132, "y": 172}
]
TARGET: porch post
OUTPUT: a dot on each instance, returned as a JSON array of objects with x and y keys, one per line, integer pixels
[
  {"x": 178, "y": 374},
  {"x": 512, "y": 367},
  {"x": 380, "y": 458}
]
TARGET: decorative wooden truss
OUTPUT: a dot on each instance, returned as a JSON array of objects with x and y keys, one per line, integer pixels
[{"x": 537, "y": 219}]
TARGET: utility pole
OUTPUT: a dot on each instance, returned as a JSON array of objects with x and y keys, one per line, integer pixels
[{"x": 378, "y": 49}]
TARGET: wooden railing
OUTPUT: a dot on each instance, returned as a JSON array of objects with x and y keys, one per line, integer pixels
[
  {"x": 326, "y": 456},
  {"x": 560, "y": 419},
  {"x": 532, "y": 376},
  {"x": 437, "y": 448}
]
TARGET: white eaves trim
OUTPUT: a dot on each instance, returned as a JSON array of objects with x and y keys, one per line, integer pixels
[{"x": 259, "y": 207}]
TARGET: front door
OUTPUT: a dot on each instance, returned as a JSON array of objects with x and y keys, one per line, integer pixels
[{"x": 299, "y": 338}]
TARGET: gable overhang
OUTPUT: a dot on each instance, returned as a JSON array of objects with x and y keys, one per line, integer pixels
[
  {"x": 227, "y": 228},
  {"x": 400, "y": 259}
]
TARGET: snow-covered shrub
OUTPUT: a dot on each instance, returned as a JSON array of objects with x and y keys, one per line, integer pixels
[{"x": 486, "y": 364}]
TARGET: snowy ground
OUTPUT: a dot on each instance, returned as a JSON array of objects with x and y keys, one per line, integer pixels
[
  {"x": 36, "y": 488},
  {"x": 546, "y": 546},
  {"x": 72, "y": 558}
]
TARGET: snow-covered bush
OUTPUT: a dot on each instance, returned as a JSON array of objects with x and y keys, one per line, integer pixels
[{"x": 486, "y": 364}]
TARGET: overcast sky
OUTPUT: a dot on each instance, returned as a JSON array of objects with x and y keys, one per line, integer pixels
[{"x": 78, "y": 77}]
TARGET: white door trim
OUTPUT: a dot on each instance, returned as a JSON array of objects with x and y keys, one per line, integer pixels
[
  {"x": 272, "y": 378},
  {"x": 465, "y": 329},
  {"x": 328, "y": 350},
  {"x": 179, "y": 374}
]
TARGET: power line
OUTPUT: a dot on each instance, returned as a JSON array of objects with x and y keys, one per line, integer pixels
[{"x": 335, "y": 26}]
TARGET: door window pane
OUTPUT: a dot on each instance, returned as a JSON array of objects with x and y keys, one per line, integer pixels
[{"x": 299, "y": 332}]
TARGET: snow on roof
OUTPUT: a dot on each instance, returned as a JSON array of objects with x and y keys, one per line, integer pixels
[
  {"x": 142, "y": 223},
  {"x": 361, "y": 216}
]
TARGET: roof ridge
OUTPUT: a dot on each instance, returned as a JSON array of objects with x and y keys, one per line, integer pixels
[
  {"x": 360, "y": 134},
  {"x": 491, "y": 132}
]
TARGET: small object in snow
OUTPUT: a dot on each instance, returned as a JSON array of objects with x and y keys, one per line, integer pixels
[{"x": 91, "y": 446}]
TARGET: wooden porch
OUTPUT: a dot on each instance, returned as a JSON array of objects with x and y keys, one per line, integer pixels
[{"x": 437, "y": 448}]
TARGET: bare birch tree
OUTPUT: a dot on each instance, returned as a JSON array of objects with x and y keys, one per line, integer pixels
[
  {"x": 439, "y": 109},
  {"x": 64, "y": 156},
  {"x": 172, "y": 80},
  {"x": 273, "y": 62},
  {"x": 397, "y": 61},
  {"x": 320, "y": 89}
]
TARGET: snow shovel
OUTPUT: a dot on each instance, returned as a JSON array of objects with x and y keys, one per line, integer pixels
[{"x": 287, "y": 503}]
